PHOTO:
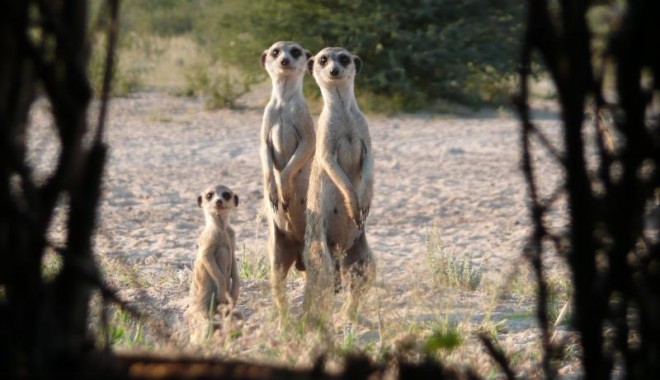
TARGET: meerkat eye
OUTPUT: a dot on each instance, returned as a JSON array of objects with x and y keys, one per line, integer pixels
[
  {"x": 295, "y": 53},
  {"x": 209, "y": 196},
  {"x": 344, "y": 60},
  {"x": 323, "y": 60},
  {"x": 226, "y": 195},
  {"x": 275, "y": 52}
]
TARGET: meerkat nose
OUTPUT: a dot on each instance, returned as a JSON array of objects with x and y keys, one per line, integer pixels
[
  {"x": 334, "y": 72},
  {"x": 218, "y": 202},
  {"x": 285, "y": 62}
]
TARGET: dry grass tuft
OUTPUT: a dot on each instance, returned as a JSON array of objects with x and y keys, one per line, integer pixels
[{"x": 449, "y": 268}]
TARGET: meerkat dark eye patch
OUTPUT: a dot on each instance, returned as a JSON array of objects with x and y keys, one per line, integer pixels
[
  {"x": 344, "y": 60},
  {"x": 295, "y": 53},
  {"x": 226, "y": 195},
  {"x": 275, "y": 52},
  {"x": 209, "y": 196},
  {"x": 323, "y": 60}
]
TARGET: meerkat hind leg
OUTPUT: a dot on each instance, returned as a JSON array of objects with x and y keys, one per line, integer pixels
[
  {"x": 202, "y": 296},
  {"x": 282, "y": 255},
  {"x": 320, "y": 282},
  {"x": 357, "y": 272}
]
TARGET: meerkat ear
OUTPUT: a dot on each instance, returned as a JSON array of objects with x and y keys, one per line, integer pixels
[
  {"x": 235, "y": 200},
  {"x": 358, "y": 63},
  {"x": 308, "y": 54},
  {"x": 199, "y": 201},
  {"x": 263, "y": 58},
  {"x": 310, "y": 66}
]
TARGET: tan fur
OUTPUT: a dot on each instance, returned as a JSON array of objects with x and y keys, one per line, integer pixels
[
  {"x": 287, "y": 148},
  {"x": 340, "y": 189},
  {"x": 215, "y": 273}
]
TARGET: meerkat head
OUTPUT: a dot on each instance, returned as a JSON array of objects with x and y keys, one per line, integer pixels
[
  {"x": 334, "y": 65},
  {"x": 217, "y": 200},
  {"x": 285, "y": 58}
]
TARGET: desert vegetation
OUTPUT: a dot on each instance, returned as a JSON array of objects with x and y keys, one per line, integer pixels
[{"x": 210, "y": 47}]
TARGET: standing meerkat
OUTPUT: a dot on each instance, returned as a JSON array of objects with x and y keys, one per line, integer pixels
[
  {"x": 215, "y": 274},
  {"x": 287, "y": 149},
  {"x": 340, "y": 188}
]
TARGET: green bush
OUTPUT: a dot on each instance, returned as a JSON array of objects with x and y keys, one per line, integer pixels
[
  {"x": 124, "y": 79},
  {"x": 414, "y": 51},
  {"x": 220, "y": 87}
]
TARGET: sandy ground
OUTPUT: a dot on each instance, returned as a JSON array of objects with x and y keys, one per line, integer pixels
[{"x": 458, "y": 177}]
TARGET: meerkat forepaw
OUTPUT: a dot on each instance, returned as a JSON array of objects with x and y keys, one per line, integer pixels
[
  {"x": 359, "y": 223},
  {"x": 285, "y": 204},
  {"x": 355, "y": 213},
  {"x": 273, "y": 197},
  {"x": 273, "y": 203}
]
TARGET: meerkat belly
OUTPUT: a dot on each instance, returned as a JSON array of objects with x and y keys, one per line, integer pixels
[
  {"x": 349, "y": 153},
  {"x": 291, "y": 222},
  {"x": 341, "y": 232},
  {"x": 285, "y": 142},
  {"x": 223, "y": 258},
  {"x": 298, "y": 204}
]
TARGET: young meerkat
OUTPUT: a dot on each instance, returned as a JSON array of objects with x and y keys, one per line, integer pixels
[
  {"x": 215, "y": 273},
  {"x": 340, "y": 188},
  {"x": 287, "y": 148}
]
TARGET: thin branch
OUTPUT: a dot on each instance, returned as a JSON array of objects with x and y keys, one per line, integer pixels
[
  {"x": 109, "y": 64},
  {"x": 498, "y": 355},
  {"x": 545, "y": 142}
]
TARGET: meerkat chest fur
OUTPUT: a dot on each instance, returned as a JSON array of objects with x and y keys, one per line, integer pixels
[
  {"x": 217, "y": 235},
  {"x": 283, "y": 112},
  {"x": 346, "y": 126}
]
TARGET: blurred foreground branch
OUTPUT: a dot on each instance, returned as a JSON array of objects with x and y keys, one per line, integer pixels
[
  {"x": 611, "y": 245},
  {"x": 44, "y": 323}
]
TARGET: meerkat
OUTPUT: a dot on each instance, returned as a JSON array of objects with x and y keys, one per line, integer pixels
[
  {"x": 287, "y": 148},
  {"x": 215, "y": 280},
  {"x": 340, "y": 189}
]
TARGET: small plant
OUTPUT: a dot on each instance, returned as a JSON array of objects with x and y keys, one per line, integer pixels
[
  {"x": 124, "y": 329},
  {"x": 559, "y": 289},
  {"x": 51, "y": 265},
  {"x": 442, "y": 339},
  {"x": 253, "y": 265},
  {"x": 350, "y": 340},
  {"x": 219, "y": 86},
  {"x": 124, "y": 79},
  {"x": 448, "y": 268}
]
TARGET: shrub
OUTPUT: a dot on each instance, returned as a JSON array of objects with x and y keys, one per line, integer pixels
[
  {"x": 415, "y": 51},
  {"x": 449, "y": 269}
]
